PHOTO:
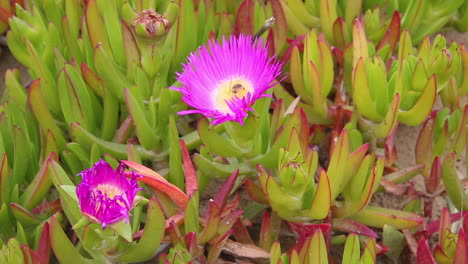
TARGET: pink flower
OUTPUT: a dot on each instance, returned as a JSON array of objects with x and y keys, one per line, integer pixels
[
  {"x": 106, "y": 196},
  {"x": 223, "y": 81}
]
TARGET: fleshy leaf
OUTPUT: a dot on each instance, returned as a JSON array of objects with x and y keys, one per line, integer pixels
[
  {"x": 86, "y": 139},
  {"x": 318, "y": 249},
  {"x": 39, "y": 187},
  {"x": 394, "y": 240},
  {"x": 322, "y": 200},
  {"x": 368, "y": 256},
  {"x": 328, "y": 16},
  {"x": 422, "y": 107},
  {"x": 384, "y": 128},
  {"x": 216, "y": 143},
  {"x": 23, "y": 215},
  {"x": 350, "y": 226},
  {"x": 351, "y": 252},
  {"x": 337, "y": 168},
  {"x": 146, "y": 134},
  {"x": 191, "y": 182},
  {"x": 424, "y": 254},
  {"x": 452, "y": 183},
  {"x": 63, "y": 248},
  {"x": 378, "y": 217},
  {"x": 155, "y": 180},
  {"x": 123, "y": 229},
  {"x": 361, "y": 93}
]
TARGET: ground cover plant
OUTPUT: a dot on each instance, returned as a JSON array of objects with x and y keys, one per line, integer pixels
[{"x": 232, "y": 131}]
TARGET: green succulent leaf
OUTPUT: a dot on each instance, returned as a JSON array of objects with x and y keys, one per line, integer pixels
[
  {"x": 452, "y": 183},
  {"x": 4, "y": 180},
  {"x": 351, "y": 252},
  {"x": 144, "y": 130},
  {"x": 119, "y": 151},
  {"x": 384, "y": 128},
  {"x": 321, "y": 203},
  {"x": 113, "y": 77},
  {"x": 337, "y": 167},
  {"x": 423, "y": 106},
  {"x": 149, "y": 242},
  {"x": 369, "y": 254},
  {"x": 317, "y": 251},
  {"x": 39, "y": 187},
  {"x": 328, "y": 16},
  {"x": 216, "y": 143},
  {"x": 394, "y": 240},
  {"x": 294, "y": 24},
  {"x": 21, "y": 214},
  {"x": 41, "y": 112},
  {"x": 63, "y": 248},
  {"x": 76, "y": 100},
  {"x": 362, "y": 94},
  {"x": 378, "y": 217}
]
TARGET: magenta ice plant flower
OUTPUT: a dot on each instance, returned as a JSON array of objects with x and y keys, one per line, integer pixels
[
  {"x": 106, "y": 195},
  {"x": 222, "y": 81}
]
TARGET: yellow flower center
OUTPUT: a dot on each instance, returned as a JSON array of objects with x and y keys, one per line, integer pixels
[
  {"x": 227, "y": 90},
  {"x": 109, "y": 190}
]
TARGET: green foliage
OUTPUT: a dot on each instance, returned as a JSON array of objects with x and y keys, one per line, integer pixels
[{"x": 311, "y": 156}]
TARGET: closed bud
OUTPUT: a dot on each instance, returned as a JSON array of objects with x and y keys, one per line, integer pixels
[{"x": 150, "y": 24}]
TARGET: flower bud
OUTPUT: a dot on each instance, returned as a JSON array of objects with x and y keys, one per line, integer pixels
[{"x": 150, "y": 24}]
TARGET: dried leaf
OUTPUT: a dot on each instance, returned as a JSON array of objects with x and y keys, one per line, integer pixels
[{"x": 245, "y": 250}]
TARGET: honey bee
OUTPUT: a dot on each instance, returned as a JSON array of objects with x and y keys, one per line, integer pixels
[{"x": 236, "y": 88}]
